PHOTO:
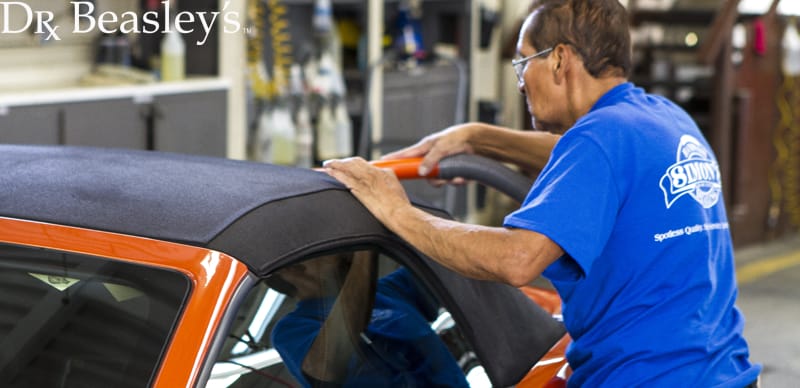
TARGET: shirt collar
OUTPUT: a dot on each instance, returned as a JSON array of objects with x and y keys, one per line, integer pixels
[{"x": 611, "y": 96}]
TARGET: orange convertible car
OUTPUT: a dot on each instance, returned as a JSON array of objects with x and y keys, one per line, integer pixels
[{"x": 136, "y": 269}]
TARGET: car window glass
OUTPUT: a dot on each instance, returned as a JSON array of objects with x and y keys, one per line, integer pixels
[
  {"x": 70, "y": 320},
  {"x": 344, "y": 319}
]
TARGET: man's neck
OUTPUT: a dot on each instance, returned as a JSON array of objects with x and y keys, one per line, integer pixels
[{"x": 585, "y": 91}]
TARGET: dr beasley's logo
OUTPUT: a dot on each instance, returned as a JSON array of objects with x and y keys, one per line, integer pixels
[
  {"x": 85, "y": 21},
  {"x": 694, "y": 173}
]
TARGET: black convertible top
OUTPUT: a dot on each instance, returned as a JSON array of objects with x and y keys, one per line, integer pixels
[
  {"x": 260, "y": 214},
  {"x": 182, "y": 198}
]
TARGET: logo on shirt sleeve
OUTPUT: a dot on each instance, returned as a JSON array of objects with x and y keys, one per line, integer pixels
[{"x": 695, "y": 173}]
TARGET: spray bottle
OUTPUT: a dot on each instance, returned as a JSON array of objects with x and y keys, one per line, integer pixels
[
  {"x": 326, "y": 132},
  {"x": 409, "y": 36},
  {"x": 266, "y": 122},
  {"x": 173, "y": 54},
  {"x": 283, "y": 134}
]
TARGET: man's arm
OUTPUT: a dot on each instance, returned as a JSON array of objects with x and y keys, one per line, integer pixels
[
  {"x": 513, "y": 256},
  {"x": 530, "y": 150},
  {"x": 526, "y": 149}
]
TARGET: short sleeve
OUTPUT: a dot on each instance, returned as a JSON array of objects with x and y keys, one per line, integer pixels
[{"x": 574, "y": 202}]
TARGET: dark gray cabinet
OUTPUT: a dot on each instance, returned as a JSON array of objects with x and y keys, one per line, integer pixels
[
  {"x": 104, "y": 123},
  {"x": 185, "y": 118},
  {"x": 30, "y": 124},
  {"x": 191, "y": 123}
]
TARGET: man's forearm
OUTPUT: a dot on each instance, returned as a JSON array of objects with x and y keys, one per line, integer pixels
[
  {"x": 527, "y": 149},
  {"x": 511, "y": 256}
]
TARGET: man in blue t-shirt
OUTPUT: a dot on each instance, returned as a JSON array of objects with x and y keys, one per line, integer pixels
[{"x": 626, "y": 217}]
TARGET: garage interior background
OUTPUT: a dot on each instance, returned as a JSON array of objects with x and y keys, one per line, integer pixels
[{"x": 378, "y": 75}]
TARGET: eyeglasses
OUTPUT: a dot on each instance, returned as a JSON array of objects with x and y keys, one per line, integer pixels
[{"x": 520, "y": 64}]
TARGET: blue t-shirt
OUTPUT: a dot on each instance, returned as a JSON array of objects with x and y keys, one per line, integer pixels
[
  {"x": 632, "y": 194},
  {"x": 403, "y": 352}
]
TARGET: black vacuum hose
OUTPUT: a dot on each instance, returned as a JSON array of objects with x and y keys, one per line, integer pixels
[{"x": 486, "y": 171}]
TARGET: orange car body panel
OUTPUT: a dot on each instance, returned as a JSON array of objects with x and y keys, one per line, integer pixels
[
  {"x": 552, "y": 370},
  {"x": 214, "y": 277},
  {"x": 546, "y": 299}
]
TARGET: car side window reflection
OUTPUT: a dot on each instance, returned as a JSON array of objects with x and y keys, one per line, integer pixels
[
  {"x": 344, "y": 319},
  {"x": 72, "y": 320}
]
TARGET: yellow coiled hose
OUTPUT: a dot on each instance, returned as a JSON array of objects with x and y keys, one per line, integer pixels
[
  {"x": 281, "y": 45},
  {"x": 259, "y": 79},
  {"x": 265, "y": 87},
  {"x": 785, "y": 174}
]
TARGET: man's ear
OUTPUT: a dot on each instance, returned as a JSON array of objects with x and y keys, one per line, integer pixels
[
  {"x": 560, "y": 62},
  {"x": 565, "y": 58}
]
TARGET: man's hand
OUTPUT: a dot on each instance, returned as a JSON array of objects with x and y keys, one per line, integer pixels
[
  {"x": 378, "y": 189},
  {"x": 451, "y": 141}
]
